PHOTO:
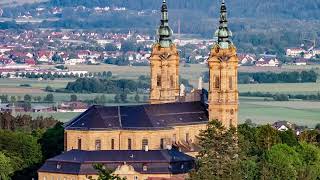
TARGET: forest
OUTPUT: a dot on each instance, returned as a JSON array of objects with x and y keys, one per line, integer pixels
[
  {"x": 258, "y": 26},
  {"x": 271, "y": 77},
  {"x": 25, "y": 144}
]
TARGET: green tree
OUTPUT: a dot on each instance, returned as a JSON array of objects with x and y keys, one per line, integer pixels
[
  {"x": 105, "y": 174},
  {"x": 48, "y": 98},
  {"x": 73, "y": 97},
  {"x": 123, "y": 96},
  {"x": 266, "y": 137},
  {"x": 117, "y": 98},
  {"x": 310, "y": 156},
  {"x": 49, "y": 89},
  {"x": 137, "y": 98},
  {"x": 282, "y": 162},
  {"x": 218, "y": 153},
  {"x": 288, "y": 137},
  {"x": 27, "y": 98},
  {"x": 52, "y": 141},
  {"x": 6, "y": 168}
]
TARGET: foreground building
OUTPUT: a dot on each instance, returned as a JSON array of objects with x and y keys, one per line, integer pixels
[{"x": 156, "y": 140}]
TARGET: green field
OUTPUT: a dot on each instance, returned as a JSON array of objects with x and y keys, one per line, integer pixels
[{"x": 262, "y": 112}]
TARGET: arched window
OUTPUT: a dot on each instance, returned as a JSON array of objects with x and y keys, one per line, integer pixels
[
  {"x": 230, "y": 83},
  {"x": 144, "y": 143},
  {"x": 161, "y": 143},
  {"x": 171, "y": 81},
  {"x": 98, "y": 144},
  {"x": 158, "y": 80},
  {"x": 217, "y": 82},
  {"x": 112, "y": 144},
  {"x": 129, "y": 144},
  {"x": 79, "y": 144}
]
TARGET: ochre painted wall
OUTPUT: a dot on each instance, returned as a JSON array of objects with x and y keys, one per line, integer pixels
[
  {"x": 164, "y": 63},
  {"x": 223, "y": 85},
  {"x": 88, "y": 138}
]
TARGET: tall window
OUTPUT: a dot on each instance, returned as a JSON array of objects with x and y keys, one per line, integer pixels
[
  {"x": 98, "y": 144},
  {"x": 230, "y": 83},
  {"x": 161, "y": 143},
  {"x": 217, "y": 82},
  {"x": 144, "y": 143},
  {"x": 129, "y": 144},
  {"x": 171, "y": 81},
  {"x": 158, "y": 80},
  {"x": 112, "y": 144},
  {"x": 79, "y": 144}
]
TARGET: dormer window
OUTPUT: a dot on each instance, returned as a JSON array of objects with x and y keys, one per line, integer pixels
[
  {"x": 145, "y": 167},
  {"x": 58, "y": 166}
]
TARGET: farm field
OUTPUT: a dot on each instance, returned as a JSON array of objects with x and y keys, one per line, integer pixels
[
  {"x": 260, "y": 112},
  {"x": 299, "y": 112}
]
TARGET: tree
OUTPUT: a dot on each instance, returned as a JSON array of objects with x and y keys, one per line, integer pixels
[
  {"x": 317, "y": 126},
  {"x": 6, "y": 168},
  {"x": 282, "y": 162},
  {"x": 109, "y": 74},
  {"x": 52, "y": 141},
  {"x": 310, "y": 156},
  {"x": 218, "y": 153},
  {"x": 137, "y": 98},
  {"x": 105, "y": 174},
  {"x": 267, "y": 137},
  {"x": 123, "y": 96},
  {"x": 27, "y": 98},
  {"x": 117, "y": 98},
  {"x": 49, "y": 89},
  {"x": 73, "y": 97},
  {"x": 48, "y": 98}
]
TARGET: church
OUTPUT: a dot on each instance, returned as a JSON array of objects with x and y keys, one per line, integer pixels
[{"x": 157, "y": 140}]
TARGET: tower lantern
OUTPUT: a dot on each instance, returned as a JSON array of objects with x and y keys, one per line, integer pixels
[{"x": 223, "y": 72}]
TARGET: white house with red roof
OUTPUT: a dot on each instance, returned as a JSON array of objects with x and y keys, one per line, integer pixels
[
  {"x": 295, "y": 52},
  {"x": 267, "y": 62}
]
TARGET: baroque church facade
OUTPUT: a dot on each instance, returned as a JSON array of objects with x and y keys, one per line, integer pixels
[{"x": 158, "y": 139}]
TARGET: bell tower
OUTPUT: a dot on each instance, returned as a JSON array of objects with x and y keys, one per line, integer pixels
[
  {"x": 223, "y": 70},
  {"x": 164, "y": 62}
]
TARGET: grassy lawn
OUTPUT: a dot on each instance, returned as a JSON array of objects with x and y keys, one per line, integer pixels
[{"x": 264, "y": 114}]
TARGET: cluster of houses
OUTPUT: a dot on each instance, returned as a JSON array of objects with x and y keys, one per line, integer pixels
[
  {"x": 264, "y": 60},
  {"x": 302, "y": 56},
  {"x": 76, "y": 106},
  {"x": 69, "y": 47},
  {"x": 285, "y": 126}
]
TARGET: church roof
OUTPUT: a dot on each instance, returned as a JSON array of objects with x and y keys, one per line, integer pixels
[
  {"x": 140, "y": 117},
  {"x": 157, "y": 161}
]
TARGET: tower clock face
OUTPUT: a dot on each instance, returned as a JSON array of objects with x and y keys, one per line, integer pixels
[{"x": 224, "y": 58}]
